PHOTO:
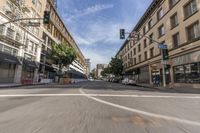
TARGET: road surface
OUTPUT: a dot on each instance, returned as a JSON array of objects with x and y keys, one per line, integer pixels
[{"x": 97, "y": 107}]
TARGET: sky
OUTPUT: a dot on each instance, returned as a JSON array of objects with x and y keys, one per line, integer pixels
[{"x": 95, "y": 24}]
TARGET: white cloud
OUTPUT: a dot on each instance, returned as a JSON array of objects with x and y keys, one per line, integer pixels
[
  {"x": 103, "y": 32},
  {"x": 90, "y": 10}
]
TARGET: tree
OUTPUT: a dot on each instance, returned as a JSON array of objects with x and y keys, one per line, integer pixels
[
  {"x": 106, "y": 71},
  {"x": 62, "y": 55},
  {"x": 116, "y": 66}
]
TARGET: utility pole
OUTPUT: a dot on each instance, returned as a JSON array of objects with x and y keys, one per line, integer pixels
[{"x": 163, "y": 69}]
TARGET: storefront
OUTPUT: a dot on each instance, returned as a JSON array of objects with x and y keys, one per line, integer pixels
[
  {"x": 157, "y": 71},
  {"x": 187, "y": 68},
  {"x": 144, "y": 75},
  {"x": 8, "y": 65},
  {"x": 28, "y": 71}
]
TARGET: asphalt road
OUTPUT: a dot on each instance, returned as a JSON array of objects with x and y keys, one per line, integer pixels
[{"x": 97, "y": 107}]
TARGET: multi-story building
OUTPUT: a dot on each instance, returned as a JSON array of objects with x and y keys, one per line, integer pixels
[
  {"x": 20, "y": 43},
  {"x": 99, "y": 69},
  {"x": 24, "y": 45},
  {"x": 175, "y": 23},
  {"x": 55, "y": 33},
  {"x": 88, "y": 66}
]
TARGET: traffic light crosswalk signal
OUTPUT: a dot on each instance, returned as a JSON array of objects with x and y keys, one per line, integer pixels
[
  {"x": 46, "y": 18},
  {"x": 165, "y": 54},
  {"x": 122, "y": 33}
]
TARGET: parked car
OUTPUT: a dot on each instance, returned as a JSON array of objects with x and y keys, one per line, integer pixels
[{"x": 127, "y": 81}]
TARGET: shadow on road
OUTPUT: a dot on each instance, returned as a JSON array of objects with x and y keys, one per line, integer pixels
[{"x": 101, "y": 85}]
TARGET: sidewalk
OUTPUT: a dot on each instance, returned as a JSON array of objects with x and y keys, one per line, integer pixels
[
  {"x": 173, "y": 89},
  {"x": 11, "y": 85}
]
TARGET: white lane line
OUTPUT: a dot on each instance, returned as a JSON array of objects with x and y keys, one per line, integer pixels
[
  {"x": 99, "y": 95},
  {"x": 149, "y": 114}
]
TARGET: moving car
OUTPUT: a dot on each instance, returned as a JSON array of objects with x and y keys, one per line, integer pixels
[{"x": 127, "y": 81}]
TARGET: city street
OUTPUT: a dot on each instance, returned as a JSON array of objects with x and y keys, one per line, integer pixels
[{"x": 97, "y": 107}]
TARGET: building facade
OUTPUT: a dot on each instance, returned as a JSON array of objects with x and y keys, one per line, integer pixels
[
  {"x": 99, "y": 69},
  {"x": 176, "y": 24},
  {"x": 20, "y": 43},
  {"x": 24, "y": 45},
  {"x": 88, "y": 67},
  {"x": 56, "y": 33}
]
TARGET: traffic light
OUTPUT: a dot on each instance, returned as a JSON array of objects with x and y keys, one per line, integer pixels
[
  {"x": 46, "y": 18},
  {"x": 165, "y": 54},
  {"x": 122, "y": 33}
]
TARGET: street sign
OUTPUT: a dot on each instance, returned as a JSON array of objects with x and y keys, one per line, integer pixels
[
  {"x": 162, "y": 46},
  {"x": 33, "y": 24}
]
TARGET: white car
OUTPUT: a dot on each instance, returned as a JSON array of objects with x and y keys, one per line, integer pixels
[{"x": 127, "y": 81}]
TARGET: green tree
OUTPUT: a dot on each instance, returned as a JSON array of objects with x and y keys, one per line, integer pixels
[
  {"x": 62, "y": 55},
  {"x": 116, "y": 66},
  {"x": 106, "y": 71}
]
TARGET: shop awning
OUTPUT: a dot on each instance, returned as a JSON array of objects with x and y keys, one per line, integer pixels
[
  {"x": 30, "y": 63},
  {"x": 8, "y": 58}
]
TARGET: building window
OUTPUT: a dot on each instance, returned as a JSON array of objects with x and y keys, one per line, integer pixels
[
  {"x": 193, "y": 31},
  {"x": 161, "y": 31},
  {"x": 18, "y": 37},
  {"x": 190, "y": 8},
  {"x": 151, "y": 52},
  {"x": 2, "y": 29},
  {"x": 39, "y": 6},
  {"x": 151, "y": 37},
  {"x": 144, "y": 30},
  {"x": 160, "y": 14},
  {"x": 134, "y": 51},
  {"x": 189, "y": 73},
  {"x": 176, "y": 40},
  {"x": 145, "y": 55},
  {"x": 139, "y": 47},
  {"x": 172, "y": 3},
  {"x": 10, "y": 33},
  {"x": 34, "y": 2},
  {"x": 131, "y": 54},
  {"x": 135, "y": 61},
  {"x": 139, "y": 58},
  {"x": 145, "y": 43},
  {"x": 174, "y": 20},
  {"x": 150, "y": 24}
]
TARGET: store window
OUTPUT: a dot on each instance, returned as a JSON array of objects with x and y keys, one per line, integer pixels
[{"x": 189, "y": 73}]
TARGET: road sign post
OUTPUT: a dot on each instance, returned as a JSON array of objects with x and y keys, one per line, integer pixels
[{"x": 165, "y": 57}]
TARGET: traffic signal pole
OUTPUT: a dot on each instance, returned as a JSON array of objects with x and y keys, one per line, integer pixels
[
  {"x": 163, "y": 69},
  {"x": 162, "y": 54}
]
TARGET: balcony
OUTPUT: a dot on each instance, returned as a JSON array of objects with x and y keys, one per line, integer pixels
[
  {"x": 11, "y": 10},
  {"x": 8, "y": 36}
]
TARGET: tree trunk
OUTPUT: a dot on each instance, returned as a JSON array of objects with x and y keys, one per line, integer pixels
[{"x": 59, "y": 73}]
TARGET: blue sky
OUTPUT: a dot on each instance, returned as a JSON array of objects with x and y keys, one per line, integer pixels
[{"x": 95, "y": 24}]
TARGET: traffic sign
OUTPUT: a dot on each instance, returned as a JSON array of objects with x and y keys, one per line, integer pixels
[{"x": 162, "y": 46}]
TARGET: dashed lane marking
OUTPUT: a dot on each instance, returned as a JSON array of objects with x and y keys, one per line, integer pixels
[{"x": 149, "y": 114}]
